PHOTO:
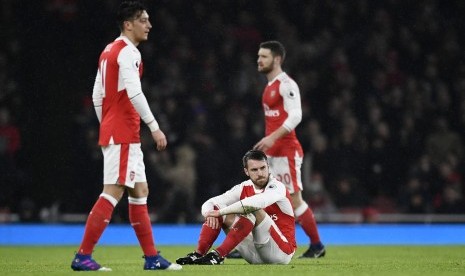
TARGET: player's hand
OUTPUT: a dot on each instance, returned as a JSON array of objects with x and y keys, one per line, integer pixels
[
  {"x": 212, "y": 219},
  {"x": 213, "y": 213},
  {"x": 264, "y": 144},
  {"x": 160, "y": 139}
]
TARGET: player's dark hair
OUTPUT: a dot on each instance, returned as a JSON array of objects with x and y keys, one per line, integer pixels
[
  {"x": 276, "y": 48},
  {"x": 253, "y": 155},
  {"x": 129, "y": 10}
]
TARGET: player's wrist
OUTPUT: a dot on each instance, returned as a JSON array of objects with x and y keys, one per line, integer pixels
[{"x": 153, "y": 125}]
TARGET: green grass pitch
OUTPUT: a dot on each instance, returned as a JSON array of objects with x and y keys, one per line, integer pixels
[{"x": 340, "y": 260}]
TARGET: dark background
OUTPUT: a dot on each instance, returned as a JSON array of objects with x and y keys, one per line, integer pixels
[{"x": 382, "y": 85}]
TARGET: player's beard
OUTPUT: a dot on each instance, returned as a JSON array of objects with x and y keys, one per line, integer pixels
[
  {"x": 261, "y": 182},
  {"x": 266, "y": 69}
]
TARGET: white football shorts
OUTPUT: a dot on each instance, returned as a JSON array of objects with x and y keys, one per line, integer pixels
[
  {"x": 262, "y": 247},
  {"x": 287, "y": 169},
  {"x": 123, "y": 164}
]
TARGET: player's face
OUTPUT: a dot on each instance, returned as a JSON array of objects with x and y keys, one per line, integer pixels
[
  {"x": 265, "y": 61},
  {"x": 258, "y": 171},
  {"x": 141, "y": 27}
]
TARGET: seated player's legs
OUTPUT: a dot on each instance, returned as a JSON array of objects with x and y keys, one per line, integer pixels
[
  {"x": 246, "y": 247},
  {"x": 271, "y": 244},
  {"x": 248, "y": 251},
  {"x": 266, "y": 245}
]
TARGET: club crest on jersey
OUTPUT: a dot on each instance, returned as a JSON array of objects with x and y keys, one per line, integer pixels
[
  {"x": 132, "y": 174},
  {"x": 273, "y": 93}
]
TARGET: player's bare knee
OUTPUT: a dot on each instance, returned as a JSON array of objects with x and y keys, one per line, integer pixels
[
  {"x": 251, "y": 217},
  {"x": 115, "y": 191},
  {"x": 259, "y": 216},
  {"x": 228, "y": 220},
  {"x": 297, "y": 199},
  {"x": 140, "y": 190}
]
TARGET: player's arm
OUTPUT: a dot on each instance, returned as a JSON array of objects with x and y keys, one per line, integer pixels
[
  {"x": 292, "y": 105},
  {"x": 273, "y": 193},
  {"x": 225, "y": 199},
  {"x": 212, "y": 205},
  {"x": 129, "y": 62},
  {"x": 97, "y": 95},
  {"x": 268, "y": 141},
  {"x": 129, "y": 70}
]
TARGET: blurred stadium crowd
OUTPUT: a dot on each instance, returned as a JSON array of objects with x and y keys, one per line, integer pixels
[{"x": 382, "y": 85}]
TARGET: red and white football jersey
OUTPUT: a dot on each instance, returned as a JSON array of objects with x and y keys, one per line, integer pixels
[
  {"x": 281, "y": 97},
  {"x": 120, "y": 66},
  {"x": 274, "y": 199}
]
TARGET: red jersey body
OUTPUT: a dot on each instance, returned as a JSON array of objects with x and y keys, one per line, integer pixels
[
  {"x": 279, "y": 97},
  {"x": 120, "y": 121}
]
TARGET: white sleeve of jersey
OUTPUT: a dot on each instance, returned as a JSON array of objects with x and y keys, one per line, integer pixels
[
  {"x": 273, "y": 192},
  {"x": 97, "y": 95},
  {"x": 291, "y": 98},
  {"x": 223, "y": 200},
  {"x": 129, "y": 62}
]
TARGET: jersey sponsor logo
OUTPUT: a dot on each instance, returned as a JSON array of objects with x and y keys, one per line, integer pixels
[
  {"x": 274, "y": 217},
  {"x": 270, "y": 112}
]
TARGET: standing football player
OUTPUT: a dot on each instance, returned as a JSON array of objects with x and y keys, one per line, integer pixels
[
  {"x": 120, "y": 105},
  {"x": 283, "y": 112},
  {"x": 257, "y": 216}
]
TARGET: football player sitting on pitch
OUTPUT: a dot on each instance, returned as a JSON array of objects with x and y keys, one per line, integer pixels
[{"x": 257, "y": 216}]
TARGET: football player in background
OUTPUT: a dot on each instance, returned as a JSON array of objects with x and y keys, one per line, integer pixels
[
  {"x": 283, "y": 112},
  {"x": 256, "y": 215},
  {"x": 120, "y": 105}
]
